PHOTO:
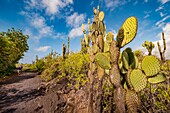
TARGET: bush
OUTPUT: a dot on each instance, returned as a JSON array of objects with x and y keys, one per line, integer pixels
[{"x": 74, "y": 68}]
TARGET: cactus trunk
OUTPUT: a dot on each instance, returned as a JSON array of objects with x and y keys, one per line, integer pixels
[{"x": 115, "y": 79}]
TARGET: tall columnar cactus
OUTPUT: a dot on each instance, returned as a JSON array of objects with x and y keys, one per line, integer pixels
[
  {"x": 162, "y": 53},
  {"x": 149, "y": 46},
  {"x": 68, "y": 46},
  {"x": 63, "y": 51}
]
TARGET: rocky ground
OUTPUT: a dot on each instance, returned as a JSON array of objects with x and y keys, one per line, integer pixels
[{"x": 26, "y": 93}]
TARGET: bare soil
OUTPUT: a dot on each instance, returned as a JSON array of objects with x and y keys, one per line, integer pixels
[{"x": 26, "y": 93}]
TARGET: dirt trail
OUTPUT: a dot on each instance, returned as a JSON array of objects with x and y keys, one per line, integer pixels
[{"x": 19, "y": 91}]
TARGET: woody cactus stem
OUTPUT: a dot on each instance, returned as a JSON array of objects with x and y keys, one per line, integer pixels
[
  {"x": 115, "y": 79},
  {"x": 63, "y": 51},
  {"x": 68, "y": 51},
  {"x": 162, "y": 53}
]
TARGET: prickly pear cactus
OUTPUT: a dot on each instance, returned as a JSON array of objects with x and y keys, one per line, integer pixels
[
  {"x": 138, "y": 80},
  {"x": 109, "y": 37},
  {"x": 150, "y": 65},
  {"x": 132, "y": 101},
  {"x": 102, "y": 60},
  {"x": 149, "y": 46},
  {"x": 127, "y": 31},
  {"x": 157, "y": 79},
  {"x": 129, "y": 60}
]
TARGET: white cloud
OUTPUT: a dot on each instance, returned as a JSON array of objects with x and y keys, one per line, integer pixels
[
  {"x": 161, "y": 14},
  {"x": 146, "y": 1},
  {"x": 75, "y": 19},
  {"x": 60, "y": 35},
  {"x": 51, "y": 7},
  {"x": 166, "y": 30},
  {"x": 147, "y": 14},
  {"x": 43, "y": 48},
  {"x": 76, "y": 32},
  {"x": 160, "y": 23},
  {"x": 159, "y": 8},
  {"x": 113, "y": 4},
  {"x": 39, "y": 23},
  {"x": 163, "y": 1}
]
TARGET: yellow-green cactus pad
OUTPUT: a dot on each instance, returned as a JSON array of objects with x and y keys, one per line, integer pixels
[
  {"x": 83, "y": 29},
  {"x": 132, "y": 101},
  {"x": 150, "y": 65},
  {"x": 101, "y": 27},
  {"x": 94, "y": 26},
  {"x": 101, "y": 16},
  {"x": 106, "y": 47},
  {"x": 125, "y": 60},
  {"x": 95, "y": 48},
  {"x": 93, "y": 38},
  {"x": 138, "y": 80},
  {"x": 102, "y": 60},
  {"x": 120, "y": 37},
  {"x": 109, "y": 37},
  {"x": 92, "y": 67},
  {"x": 130, "y": 28},
  {"x": 101, "y": 42},
  {"x": 157, "y": 79},
  {"x": 125, "y": 86},
  {"x": 100, "y": 73},
  {"x": 107, "y": 71}
]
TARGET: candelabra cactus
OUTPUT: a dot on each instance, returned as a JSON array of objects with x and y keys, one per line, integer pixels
[{"x": 149, "y": 46}]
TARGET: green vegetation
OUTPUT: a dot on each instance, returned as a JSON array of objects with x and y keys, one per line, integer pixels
[
  {"x": 13, "y": 44},
  {"x": 117, "y": 81}
]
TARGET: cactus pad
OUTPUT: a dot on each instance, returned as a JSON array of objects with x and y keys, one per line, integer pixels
[
  {"x": 138, "y": 80},
  {"x": 101, "y": 42},
  {"x": 106, "y": 47},
  {"x": 150, "y": 65},
  {"x": 130, "y": 29},
  {"x": 95, "y": 48},
  {"x": 83, "y": 27},
  {"x": 94, "y": 26},
  {"x": 102, "y": 27},
  {"x": 101, "y": 16},
  {"x": 102, "y": 60},
  {"x": 132, "y": 101},
  {"x": 92, "y": 67},
  {"x": 107, "y": 71},
  {"x": 109, "y": 37},
  {"x": 100, "y": 72},
  {"x": 120, "y": 37},
  {"x": 157, "y": 79},
  {"x": 125, "y": 60}
]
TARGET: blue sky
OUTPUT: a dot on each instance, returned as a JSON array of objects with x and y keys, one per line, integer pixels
[{"x": 50, "y": 22}]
